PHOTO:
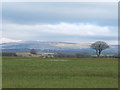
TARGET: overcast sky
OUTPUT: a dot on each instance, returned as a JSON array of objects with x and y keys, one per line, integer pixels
[{"x": 62, "y": 22}]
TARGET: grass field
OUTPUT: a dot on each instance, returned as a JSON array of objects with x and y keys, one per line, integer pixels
[{"x": 72, "y": 73}]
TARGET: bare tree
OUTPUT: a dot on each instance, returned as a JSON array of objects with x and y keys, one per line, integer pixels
[{"x": 99, "y": 46}]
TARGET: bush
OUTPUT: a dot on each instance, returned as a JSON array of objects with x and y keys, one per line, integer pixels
[{"x": 33, "y": 51}]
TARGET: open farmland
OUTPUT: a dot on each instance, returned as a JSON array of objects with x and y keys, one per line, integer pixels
[{"x": 59, "y": 73}]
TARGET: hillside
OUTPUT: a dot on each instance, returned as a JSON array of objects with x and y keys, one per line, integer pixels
[{"x": 54, "y": 47}]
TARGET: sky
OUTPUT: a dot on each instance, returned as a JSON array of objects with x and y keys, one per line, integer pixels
[{"x": 76, "y": 22}]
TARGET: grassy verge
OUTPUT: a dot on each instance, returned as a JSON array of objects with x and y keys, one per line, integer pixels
[{"x": 76, "y": 73}]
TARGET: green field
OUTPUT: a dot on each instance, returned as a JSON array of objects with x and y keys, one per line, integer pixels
[{"x": 68, "y": 73}]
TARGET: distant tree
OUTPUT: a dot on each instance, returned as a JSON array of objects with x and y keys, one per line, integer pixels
[
  {"x": 99, "y": 46},
  {"x": 33, "y": 51}
]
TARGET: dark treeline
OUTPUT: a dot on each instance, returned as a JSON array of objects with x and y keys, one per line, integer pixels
[
  {"x": 69, "y": 55},
  {"x": 63, "y": 55},
  {"x": 83, "y": 55},
  {"x": 11, "y": 54}
]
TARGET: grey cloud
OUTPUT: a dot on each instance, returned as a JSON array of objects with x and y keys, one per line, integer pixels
[
  {"x": 30, "y": 14},
  {"x": 33, "y": 13}
]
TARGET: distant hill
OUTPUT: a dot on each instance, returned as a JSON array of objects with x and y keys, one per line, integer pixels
[
  {"x": 54, "y": 47},
  {"x": 42, "y": 45}
]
